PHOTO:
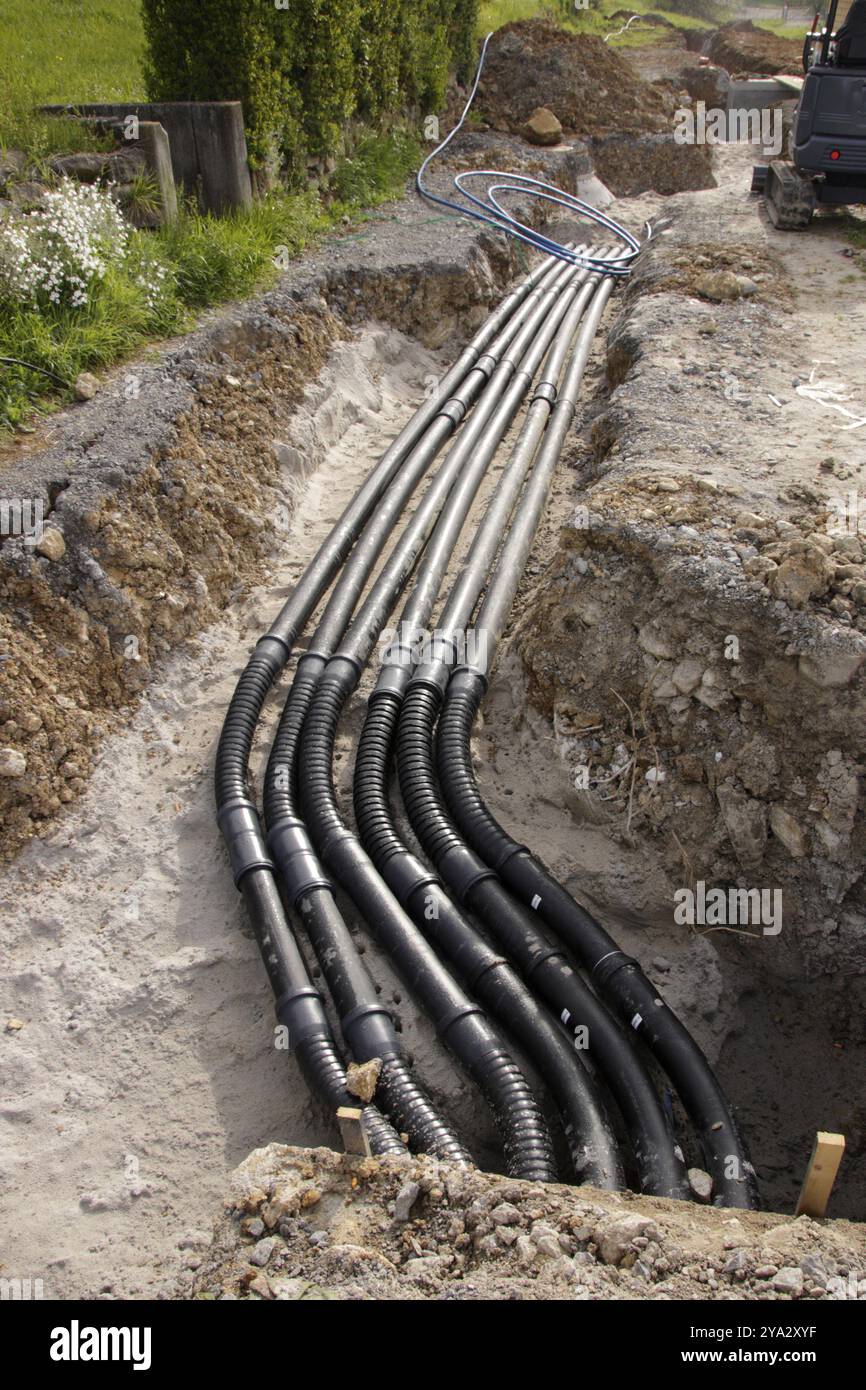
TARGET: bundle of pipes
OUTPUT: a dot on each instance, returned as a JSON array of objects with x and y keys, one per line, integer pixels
[{"x": 466, "y": 930}]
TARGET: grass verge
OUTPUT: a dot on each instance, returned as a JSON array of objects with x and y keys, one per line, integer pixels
[{"x": 209, "y": 260}]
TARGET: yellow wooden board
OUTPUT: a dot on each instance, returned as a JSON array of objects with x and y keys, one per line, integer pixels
[{"x": 821, "y": 1174}]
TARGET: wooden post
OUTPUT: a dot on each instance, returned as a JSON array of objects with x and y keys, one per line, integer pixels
[
  {"x": 208, "y": 145},
  {"x": 352, "y": 1129},
  {"x": 821, "y": 1174},
  {"x": 157, "y": 152},
  {"x": 222, "y": 155}
]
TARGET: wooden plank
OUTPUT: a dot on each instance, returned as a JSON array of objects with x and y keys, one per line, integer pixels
[
  {"x": 351, "y": 1122},
  {"x": 821, "y": 1174}
]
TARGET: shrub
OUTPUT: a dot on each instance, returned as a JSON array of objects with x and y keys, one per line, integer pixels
[{"x": 302, "y": 68}]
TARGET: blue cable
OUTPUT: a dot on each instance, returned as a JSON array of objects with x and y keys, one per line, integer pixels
[{"x": 492, "y": 212}]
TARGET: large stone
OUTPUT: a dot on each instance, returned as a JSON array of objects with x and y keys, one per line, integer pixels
[
  {"x": 632, "y": 164},
  {"x": 614, "y": 1239},
  {"x": 51, "y": 544},
  {"x": 361, "y": 1078},
  {"x": 26, "y": 195},
  {"x": 710, "y": 84},
  {"x": 86, "y": 386},
  {"x": 746, "y": 823},
  {"x": 801, "y": 577},
  {"x": 723, "y": 286},
  {"x": 788, "y": 1280},
  {"x": 125, "y": 165},
  {"x": 86, "y": 167},
  {"x": 543, "y": 128},
  {"x": 12, "y": 763}
]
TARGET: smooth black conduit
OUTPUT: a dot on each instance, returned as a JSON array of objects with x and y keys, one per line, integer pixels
[
  {"x": 544, "y": 966},
  {"x": 298, "y": 1003},
  {"x": 366, "y": 1025},
  {"x": 352, "y": 989},
  {"x": 488, "y": 975},
  {"x": 618, "y": 977},
  {"x": 459, "y": 1021},
  {"x": 659, "y": 1160}
]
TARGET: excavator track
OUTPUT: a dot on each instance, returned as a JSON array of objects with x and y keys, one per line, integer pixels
[{"x": 788, "y": 197}]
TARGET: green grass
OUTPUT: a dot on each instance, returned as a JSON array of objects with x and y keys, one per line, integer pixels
[
  {"x": 595, "y": 19},
  {"x": 211, "y": 260},
  {"x": 494, "y": 13},
  {"x": 783, "y": 31},
  {"x": 64, "y": 51},
  {"x": 220, "y": 258},
  {"x": 68, "y": 51}
]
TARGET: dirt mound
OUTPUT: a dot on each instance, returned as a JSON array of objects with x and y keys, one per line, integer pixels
[
  {"x": 578, "y": 77},
  {"x": 747, "y": 51},
  {"x": 308, "y": 1224}
]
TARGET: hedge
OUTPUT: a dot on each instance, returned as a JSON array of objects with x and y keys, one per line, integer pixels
[{"x": 303, "y": 68}]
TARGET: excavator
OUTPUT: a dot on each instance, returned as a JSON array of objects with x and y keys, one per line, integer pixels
[{"x": 827, "y": 165}]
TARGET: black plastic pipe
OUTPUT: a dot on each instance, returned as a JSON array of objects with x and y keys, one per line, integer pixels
[
  {"x": 660, "y": 1165},
  {"x": 351, "y": 987},
  {"x": 488, "y": 975},
  {"x": 659, "y": 1161},
  {"x": 299, "y": 1005},
  {"x": 618, "y": 977}
]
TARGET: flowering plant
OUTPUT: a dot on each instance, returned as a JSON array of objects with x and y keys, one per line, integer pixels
[{"x": 55, "y": 254}]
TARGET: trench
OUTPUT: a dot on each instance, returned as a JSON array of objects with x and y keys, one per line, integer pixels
[{"x": 146, "y": 1065}]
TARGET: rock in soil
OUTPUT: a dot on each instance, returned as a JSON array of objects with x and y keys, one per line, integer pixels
[{"x": 557, "y": 1242}]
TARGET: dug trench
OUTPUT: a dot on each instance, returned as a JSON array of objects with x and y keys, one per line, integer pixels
[{"x": 139, "y": 1039}]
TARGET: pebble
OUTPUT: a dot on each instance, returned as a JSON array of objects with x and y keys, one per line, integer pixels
[
  {"x": 51, "y": 544},
  {"x": 262, "y": 1251},
  {"x": 86, "y": 386},
  {"x": 12, "y": 763},
  {"x": 614, "y": 1240},
  {"x": 789, "y": 1279},
  {"x": 405, "y": 1200},
  {"x": 701, "y": 1184},
  {"x": 505, "y": 1214}
]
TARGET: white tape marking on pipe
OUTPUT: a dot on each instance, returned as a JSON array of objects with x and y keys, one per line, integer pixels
[
  {"x": 636, "y": 1021},
  {"x": 536, "y": 903}
]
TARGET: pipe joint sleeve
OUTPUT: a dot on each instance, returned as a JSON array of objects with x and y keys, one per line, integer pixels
[
  {"x": 462, "y": 869},
  {"x": 239, "y": 822},
  {"x": 369, "y": 1032},
  {"x": 296, "y": 859}
]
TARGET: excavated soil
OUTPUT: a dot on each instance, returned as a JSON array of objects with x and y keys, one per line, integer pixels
[
  {"x": 166, "y": 492},
  {"x": 747, "y": 51},
  {"x": 588, "y": 85},
  {"x": 139, "y": 1030},
  {"x": 595, "y": 93},
  {"x": 698, "y": 647},
  {"x": 305, "y": 1224}
]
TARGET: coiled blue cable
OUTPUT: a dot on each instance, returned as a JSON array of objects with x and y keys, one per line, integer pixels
[{"x": 488, "y": 209}]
